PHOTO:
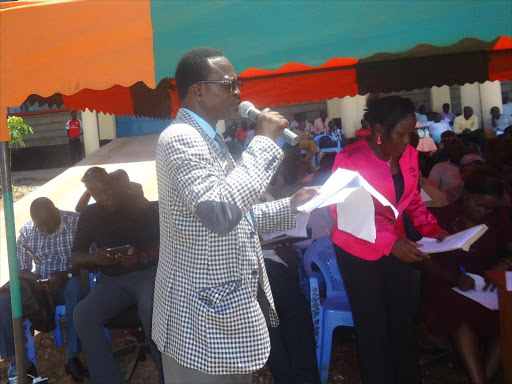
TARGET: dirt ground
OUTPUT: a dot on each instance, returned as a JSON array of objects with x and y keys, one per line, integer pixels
[
  {"x": 22, "y": 187},
  {"x": 343, "y": 370}
]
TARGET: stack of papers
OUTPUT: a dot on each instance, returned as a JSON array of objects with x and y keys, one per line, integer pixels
[
  {"x": 460, "y": 240},
  {"x": 355, "y": 208},
  {"x": 486, "y": 298}
]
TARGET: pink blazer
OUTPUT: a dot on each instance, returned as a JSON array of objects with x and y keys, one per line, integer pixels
[{"x": 359, "y": 157}]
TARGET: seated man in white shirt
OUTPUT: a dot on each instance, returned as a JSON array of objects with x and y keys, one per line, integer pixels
[
  {"x": 421, "y": 115},
  {"x": 498, "y": 121},
  {"x": 437, "y": 127}
]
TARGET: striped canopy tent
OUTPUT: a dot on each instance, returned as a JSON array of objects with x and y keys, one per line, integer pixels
[{"x": 110, "y": 55}]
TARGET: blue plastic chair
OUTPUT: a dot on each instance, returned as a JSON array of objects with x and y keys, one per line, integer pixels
[
  {"x": 330, "y": 311},
  {"x": 60, "y": 314},
  {"x": 29, "y": 342},
  {"x": 325, "y": 150}
]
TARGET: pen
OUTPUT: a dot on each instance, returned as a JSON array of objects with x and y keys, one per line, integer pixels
[{"x": 465, "y": 273}]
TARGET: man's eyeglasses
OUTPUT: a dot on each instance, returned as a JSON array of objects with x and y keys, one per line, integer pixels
[{"x": 233, "y": 85}]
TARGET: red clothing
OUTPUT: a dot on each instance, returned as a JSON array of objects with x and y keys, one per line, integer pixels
[
  {"x": 241, "y": 135},
  {"x": 74, "y": 127},
  {"x": 444, "y": 309},
  {"x": 361, "y": 132},
  {"x": 359, "y": 157}
]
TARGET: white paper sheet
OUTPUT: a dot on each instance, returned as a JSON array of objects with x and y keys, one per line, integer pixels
[
  {"x": 508, "y": 280},
  {"x": 425, "y": 196},
  {"x": 353, "y": 196},
  {"x": 452, "y": 242},
  {"x": 334, "y": 184},
  {"x": 300, "y": 229},
  {"x": 355, "y": 214},
  {"x": 487, "y": 298}
]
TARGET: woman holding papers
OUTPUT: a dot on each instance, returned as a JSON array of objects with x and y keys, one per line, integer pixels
[
  {"x": 382, "y": 283},
  {"x": 448, "y": 313}
]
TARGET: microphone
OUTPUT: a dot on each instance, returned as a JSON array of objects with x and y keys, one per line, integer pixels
[{"x": 246, "y": 109}]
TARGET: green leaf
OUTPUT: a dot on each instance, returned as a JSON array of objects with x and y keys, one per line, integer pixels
[{"x": 17, "y": 128}]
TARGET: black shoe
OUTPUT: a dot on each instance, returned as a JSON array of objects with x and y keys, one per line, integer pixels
[{"x": 75, "y": 368}]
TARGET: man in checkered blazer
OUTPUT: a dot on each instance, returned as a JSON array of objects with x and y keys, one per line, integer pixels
[{"x": 212, "y": 295}]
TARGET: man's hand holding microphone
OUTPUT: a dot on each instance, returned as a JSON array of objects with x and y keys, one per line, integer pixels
[{"x": 268, "y": 123}]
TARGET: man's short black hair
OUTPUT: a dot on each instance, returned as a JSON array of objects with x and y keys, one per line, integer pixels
[
  {"x": 193, "y": 67},
  {"x": 94, "y": 173}
]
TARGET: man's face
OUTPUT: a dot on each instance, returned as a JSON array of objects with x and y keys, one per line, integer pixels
[
  {"x": 218, "y": 101},
  {"x": 49, "y": 222},
  {"x": 102, "y": 191},
  {"x": 468, "y": 112},
  {"x": 446, "y": 108},
  {"x": 73, "y": 115},
  {"x": 323, "y": 115},
  {"x": 495, "y": 112},
  {"x": 422, "y": 109},
  {"x": 437, "y": 117}
]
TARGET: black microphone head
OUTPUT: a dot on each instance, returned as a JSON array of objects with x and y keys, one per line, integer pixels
[{"x": 244, "y": 108}]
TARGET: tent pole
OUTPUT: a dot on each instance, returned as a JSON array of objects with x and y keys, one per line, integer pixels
[{"x": 17, "y": 315}]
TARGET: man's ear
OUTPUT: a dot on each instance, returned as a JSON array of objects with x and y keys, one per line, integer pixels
[{"x": 195, "y": 91}]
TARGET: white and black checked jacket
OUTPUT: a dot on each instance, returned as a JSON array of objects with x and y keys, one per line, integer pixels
[{"x": 206, "y": 315}]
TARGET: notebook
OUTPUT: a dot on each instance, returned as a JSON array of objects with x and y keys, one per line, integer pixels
[{"x": 460, "y": 240}]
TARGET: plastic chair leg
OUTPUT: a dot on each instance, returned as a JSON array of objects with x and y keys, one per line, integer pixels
[
  {"x": 107, "y": 333},
  {"x": 325, "y": 352},
  {"x": 29, "y": 342},
  {"x": 60, "y": 313}
]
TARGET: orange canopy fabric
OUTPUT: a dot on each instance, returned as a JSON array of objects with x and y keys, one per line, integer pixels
[
  {"x": 80, "y": 40},
  {"x": 82, "y": 48}
]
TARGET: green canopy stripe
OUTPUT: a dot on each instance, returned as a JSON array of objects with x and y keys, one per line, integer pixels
[{"x": 267, "y": 34}]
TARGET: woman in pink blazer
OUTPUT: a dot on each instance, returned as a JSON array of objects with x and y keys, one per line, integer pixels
[{"x": 381, "y": 278}]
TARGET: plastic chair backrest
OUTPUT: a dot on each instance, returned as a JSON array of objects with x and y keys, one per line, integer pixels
[
  {"x": 318, "y": 137},
  {"x": 322, "y": 254}
]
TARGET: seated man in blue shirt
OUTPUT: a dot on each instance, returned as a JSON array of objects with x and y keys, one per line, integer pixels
[{"x": 46, "y": 241}]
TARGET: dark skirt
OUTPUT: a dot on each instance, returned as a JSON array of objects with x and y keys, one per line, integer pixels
[{"x": 445, "y": 310}]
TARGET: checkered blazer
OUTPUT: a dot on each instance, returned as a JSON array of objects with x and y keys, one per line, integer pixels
[{"x": 206, "y": 315}]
